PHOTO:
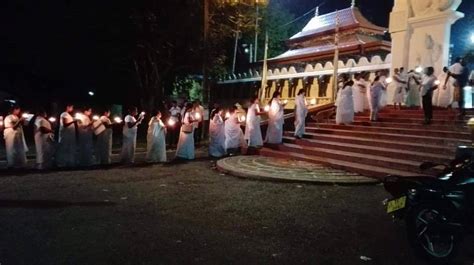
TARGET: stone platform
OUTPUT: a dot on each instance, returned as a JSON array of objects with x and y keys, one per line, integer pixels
[{"x": 278, "y": 169}]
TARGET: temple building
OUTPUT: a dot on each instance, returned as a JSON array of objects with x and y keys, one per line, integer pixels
[{"x": 308, "y": 62}]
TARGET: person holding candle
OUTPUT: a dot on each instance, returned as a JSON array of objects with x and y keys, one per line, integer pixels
[
  {"x": 217, "y": 134},
  {"x": 199, "y": 118},
  {"x": 66, "y": 154},
  {"x": 276, "y": 120},
  {"x": 234, "y": 137},
  {"x": 85, "y": 133},
  {"x": 104, "y": 132},
  {"x": 253, "y": 132},
  {"x": 445, "y": 95},
  {"x": 185, "y": 148},
  {"x": 413, "y": 97},
  {"x": 400, "y": 88},
  {"x": 44, "y": 141},
  {"x": 129, "y": 141},
  {"x": 301, "y": 110},
  {"x": 156, "y": 143},
  {"x": 345, "y": 104},
  {"x": 15, "y": 143},
  {"x": 173, "y": 131}
]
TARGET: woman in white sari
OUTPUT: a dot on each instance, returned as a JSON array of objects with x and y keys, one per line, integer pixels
[
  {"x": 217, "y": 134},
  {"x": 129, "y": 141},
  {"x": 156, "y": 143},
  {"x": 275, "y": 120},
  {"x": 104, "y": 132},
  {"x": 253, "y": 132},
  {"x": 345, "y": 104},
  {"x": 44, "y": 141},
  {"x": 445, "y": 93},
  {"x": 15, "y": 144},
  {"x": 84, "y": 127},
  {"x": 359, "y": 92},
  {"x": 66, "y": 154},
  {"x": 234, "y": 137},
  {"x": 301, "y": 110},
  {"x": 185, "y": 149}
]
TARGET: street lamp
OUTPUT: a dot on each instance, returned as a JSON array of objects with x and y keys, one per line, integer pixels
[{"x": 472, "y": 38}]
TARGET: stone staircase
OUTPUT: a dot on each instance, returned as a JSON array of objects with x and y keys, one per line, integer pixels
[{"x": 396, "y": 144}]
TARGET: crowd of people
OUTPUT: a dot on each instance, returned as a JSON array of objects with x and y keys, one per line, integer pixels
[
  {"x": 75, "y": 145},
  {"x": 418, "y": 88}
]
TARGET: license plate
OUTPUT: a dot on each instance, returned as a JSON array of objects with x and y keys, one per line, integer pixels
[{"x": 396, "y": 204}]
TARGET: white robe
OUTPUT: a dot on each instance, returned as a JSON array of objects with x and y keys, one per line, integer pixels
[
  {"x": 234, "y": 137},
  {"x": 44, "y": 143},
  {"x": 399, "y": 91},
  {"x": 360, "y": 96},
  {"x": 345, "y": 106},
  {"x": 85, "y": 141},
  {"x": 104, "y": 142},
  {"x": 66, "y": 154},
  {"x": 15, "y": 143},
  {"x": 275, "y": 123},
  {"x": 185, "y": 148},
  {"x": 301, "y": 110},
  {"x": 129, "y": 141},
  {"x": 253, "y": 132},
  {"x": 445, "y": 97},
  {"x": 384, "y": 96},
  {"x": 156, "y": 143},
  {"x": 217, "y": 137}
]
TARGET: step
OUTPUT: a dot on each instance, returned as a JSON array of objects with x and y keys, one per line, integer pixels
[
  {"x": 458, "y": 128},
  {"x": 365, "y": 170},
  {"x": 435, "y": 121},
  {"x": 409, "y": 146},
  {"x": 404, "y": 131},
  {"x": 371, "y": 150},
  {"x": 446, "y": 142},
  {"x": 367, "y": 159}
]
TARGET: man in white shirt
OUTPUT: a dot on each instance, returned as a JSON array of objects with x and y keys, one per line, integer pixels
[
  {"x": 459, "y": 72},
  {"x": 427, "y": 87}
]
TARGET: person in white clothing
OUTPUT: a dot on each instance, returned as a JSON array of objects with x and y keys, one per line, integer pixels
[
  {"x": 103, "y": 130},
  {"x": 217, "y": 134},
  {"x": 345, "y": 104},
  {"x": 44, "y": 141},
  {"x": 276, "y": 120},
  {"x": 156, "y": 140},
  {"x": 66, "y": 154},
  {"x": 359, "y": 93},
  {"x": 443, "y": 97},
  {"x": 173, "y": 132},
  {"x": 253, "y": 132},
  {"x": 129, "y": 141},
  {"x": 234, "y": 137},
  {"x": 383, "y": 80},
  {"x": 400, "y": 88},
  {"x": 199, "y": 123},
  {"x": 185, "y": 148},
  {"x": 85, "y": 132},
  {"x": 15, "y": 143},
  {"x": 301, "y": 110}
]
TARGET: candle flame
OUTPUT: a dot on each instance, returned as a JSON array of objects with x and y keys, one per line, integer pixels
[
  {"x": 171, "y": 122},
  {"x": 117, "y": 120},
  {"x": 95, "y": 117},
  {"x": 52, "y": 119},
  {"x": 266, "y": 108}
]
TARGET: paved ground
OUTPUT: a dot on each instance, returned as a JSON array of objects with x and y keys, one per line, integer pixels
[
  {"x": 275, "y": 169},
  {"x": 189, "y": 213}
]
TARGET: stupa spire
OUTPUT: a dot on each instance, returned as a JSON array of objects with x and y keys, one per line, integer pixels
[
  {"x": 316, "y": 14},
  {"x": 353, "y": 3}
]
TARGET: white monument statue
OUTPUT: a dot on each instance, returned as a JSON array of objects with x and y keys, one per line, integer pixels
[{"x": 421, "y": 32}]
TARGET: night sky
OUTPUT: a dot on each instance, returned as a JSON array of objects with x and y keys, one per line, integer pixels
[{"x": 50, "y": 46}]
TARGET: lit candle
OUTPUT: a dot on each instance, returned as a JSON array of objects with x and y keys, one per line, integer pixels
[
  {"x": 27, "y": 116},
  {"x": 419, "y": 69},
  {"x": 171, "y": 122},
  {"x": 52, "y": 119},
  {"x": 142, "y": 114},
  {"x": 312, "y": 101},
  {"x": 285, "y": 101},
  {"x": 389, "y": 80},
  {"x": 197, "y": 116},
  {"x": 118, "y": 120},
  {"x": 96, "y": 117},
  {"x": 242, "y": 118},
  {"x": 266, "y": 108},
  {"x": 437, "y": 82},
  {"x": 227, "y": 115}
]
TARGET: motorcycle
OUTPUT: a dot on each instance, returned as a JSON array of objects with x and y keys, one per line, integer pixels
[{"x": 438, "y": 211}]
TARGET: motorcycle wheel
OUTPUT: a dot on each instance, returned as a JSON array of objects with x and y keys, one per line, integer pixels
[{"x": 438, "y": 246}]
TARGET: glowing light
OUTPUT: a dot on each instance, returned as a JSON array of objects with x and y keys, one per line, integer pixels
[
  {"x": 27, "y": 116},
  {"x": 142, "y": 114},
  {"x": 312, "y": 101},
  {"x": 285, "y": 101},
  {"x": 52, "y": 119},
  {"x": 437, "y": 82},
  {"x": 389, "y": 80},
  {"x": 171, "y": 122},
  {"x": 95, "y": 117},
  {"x": 419, "y": 69},
  {"x": 242, "y": 118},
  {"x": 197, "y": 116},
  {"x": 472, "y": 38},
  {"x": 118, "y": 120},
  {"x": 91, "y": 93},
  {"x": 266, "y": 108},
  {"x": 227, "y": 115}
]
